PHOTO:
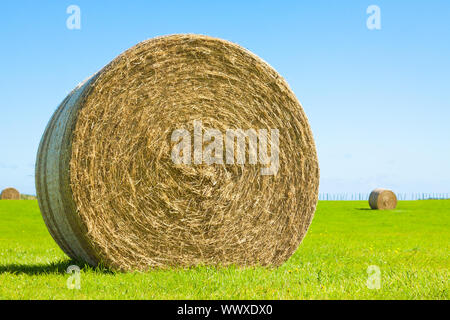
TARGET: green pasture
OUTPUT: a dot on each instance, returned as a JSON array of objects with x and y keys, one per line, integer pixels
[{"x": 409, "y": 245}]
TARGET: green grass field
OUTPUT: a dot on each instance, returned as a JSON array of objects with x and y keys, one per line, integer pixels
[{"x": 410, "y": 245}]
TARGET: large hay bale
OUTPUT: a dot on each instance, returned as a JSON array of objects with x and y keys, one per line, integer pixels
[
  {"x": 10, "y": 194},
  {"x": 110, "y": 191},
  {"x": 382, "y": 199}
]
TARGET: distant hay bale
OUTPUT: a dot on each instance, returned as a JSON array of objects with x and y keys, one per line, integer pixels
[
  {"x": 382, "y": 199},
  {"x": 110, "y": 192},
  {"x": 10, "y": 194}
]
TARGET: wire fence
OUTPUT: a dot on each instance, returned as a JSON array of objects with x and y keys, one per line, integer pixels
[{"x": 365, "y": 196}]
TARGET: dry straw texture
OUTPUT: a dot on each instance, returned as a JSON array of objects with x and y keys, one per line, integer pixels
[
  {"x": 109, "y": 191},
  {"x": 10, "y": 194},
  {"x": 382, "y": 199}
]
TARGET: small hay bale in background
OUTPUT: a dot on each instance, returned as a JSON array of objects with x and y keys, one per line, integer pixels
[
  {"x": 10, "y": 194},
  {"x": 382, "y": 199},
  {"x": 109, "y": 191}
]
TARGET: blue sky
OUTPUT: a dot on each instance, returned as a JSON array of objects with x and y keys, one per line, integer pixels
[{"x": 378, "y": 101}]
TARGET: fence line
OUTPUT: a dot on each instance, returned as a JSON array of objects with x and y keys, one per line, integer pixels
[{"x": 400, "y": 196}]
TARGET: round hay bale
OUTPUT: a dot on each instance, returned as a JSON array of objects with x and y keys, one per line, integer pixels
[
  {"x": 10, "y": 194},
  {"x": 110, "y": 190},
  {"x": 382, "y": 199}
]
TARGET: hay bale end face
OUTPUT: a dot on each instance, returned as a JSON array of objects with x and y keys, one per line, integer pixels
[
  {"x": 382, "y": 199},
  {"x": 10, "y": 194},
  {"x": 110, "y": 190}
]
